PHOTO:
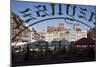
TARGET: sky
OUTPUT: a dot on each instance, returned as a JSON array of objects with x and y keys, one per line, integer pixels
[{"x": 17, "y": 6}]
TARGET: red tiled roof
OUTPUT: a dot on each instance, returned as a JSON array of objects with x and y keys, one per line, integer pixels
[{"x": 85, "y": 41}]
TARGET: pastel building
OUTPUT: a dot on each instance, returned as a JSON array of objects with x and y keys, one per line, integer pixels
[
  {"x": 59, "y": 32},
  {"x": 72, "y": 35}
]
